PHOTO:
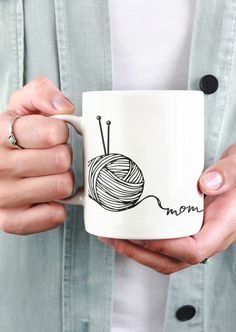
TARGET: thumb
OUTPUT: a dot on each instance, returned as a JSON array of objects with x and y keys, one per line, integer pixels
[
  {"x": 39, "y": 96},
  {"x": 220, "y": 177}
]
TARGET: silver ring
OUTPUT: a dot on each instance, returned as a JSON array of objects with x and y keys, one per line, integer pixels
[
  {"x": 205, "y": 261},
  {"x": 12, "y": 138}
]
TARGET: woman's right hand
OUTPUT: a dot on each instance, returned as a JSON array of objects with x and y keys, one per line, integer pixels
[{"x": 33, "y": 178}]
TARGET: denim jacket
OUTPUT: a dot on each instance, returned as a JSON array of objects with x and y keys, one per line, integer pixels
[{"x": 61, "y": 280}]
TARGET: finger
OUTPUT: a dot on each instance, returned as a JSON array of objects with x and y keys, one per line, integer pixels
[
  {"x": 38, "y": 218},
  {"x": 220, "y": 177},
  {"x": 41, "y": 189},
  {"x": 32, "y": 163},
  {"x": 231, "y": 150},
  {"x": 182, "y": 249},
  {"x": 158, "y": 262},
  {"x": 214, "y": 236},
  {"x": 34, "y": 131},
  {"x": 42, "y": 96}
]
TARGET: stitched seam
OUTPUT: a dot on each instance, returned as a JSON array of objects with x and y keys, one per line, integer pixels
[
  {"x": 109, "y": 254},
  {"x": 203, "y": 296},
  {"x": 13, "y": 43},
  {"x": 107, "y": 50},
  {"x": 67, "y": 256},
  {"x": 227, "y": 74},
  {"x": 20, "y": 41},
  {"x": 62, "y": 46},
  {"x": 67, "y": 277}
]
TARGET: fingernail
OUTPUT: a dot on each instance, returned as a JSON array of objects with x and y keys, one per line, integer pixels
[
  {"x": 62, "y": 104},
  {"x": 212, "y": 180},
  {"x": 106, "y": 240}
]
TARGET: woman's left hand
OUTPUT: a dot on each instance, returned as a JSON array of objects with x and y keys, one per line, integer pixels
[{"x": 218, "y": 232}]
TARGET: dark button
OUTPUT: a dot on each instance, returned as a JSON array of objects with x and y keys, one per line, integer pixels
[
  {"x": 185, "y": 313},
  {"x": 208, "y": 84}
]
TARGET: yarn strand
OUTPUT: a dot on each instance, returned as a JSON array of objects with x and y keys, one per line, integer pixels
[{"x": 181, "y": 210}]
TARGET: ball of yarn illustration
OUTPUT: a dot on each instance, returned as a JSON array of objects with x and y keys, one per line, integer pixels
[{"x": 115, "y": 181}]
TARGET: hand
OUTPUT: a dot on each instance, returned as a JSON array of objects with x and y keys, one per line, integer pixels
[
  {"x": 218, "y": 182},
  {"x": 31, "y": 179}
]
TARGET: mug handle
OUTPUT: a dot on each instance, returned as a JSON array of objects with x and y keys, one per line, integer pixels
[{"x": 76, "y": 122}]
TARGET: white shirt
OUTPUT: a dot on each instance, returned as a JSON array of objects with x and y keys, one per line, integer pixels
[{"x": 150, "y": 49}]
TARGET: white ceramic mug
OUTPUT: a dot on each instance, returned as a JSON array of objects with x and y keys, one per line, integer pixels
[{"x": 143, "y": 155}]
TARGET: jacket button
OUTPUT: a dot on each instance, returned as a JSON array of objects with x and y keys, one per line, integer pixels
[
  {"x": 186, "y": 312},
  {"x": 208, "y": 84}
]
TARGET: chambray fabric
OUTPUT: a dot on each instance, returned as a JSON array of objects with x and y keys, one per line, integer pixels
[
  {"x": 61, "y": 280},
  {"x": 58, "y": 280},
  {"x": 211, "y": 288}
]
